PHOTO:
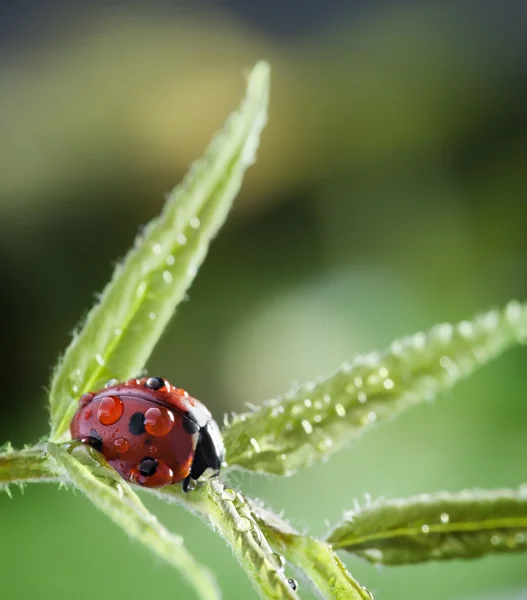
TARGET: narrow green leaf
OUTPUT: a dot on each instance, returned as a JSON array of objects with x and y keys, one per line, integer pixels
[
  {"x": 229, "y": 514},
  {"x": 317, "y": 419},
  {"x": 123, "y": 328},
  {"x": 20, "y": 466},
  {"x": 315, "y": 557},
  {"x": 88, "y": 471},
  {"x": 436, "y": 527}
]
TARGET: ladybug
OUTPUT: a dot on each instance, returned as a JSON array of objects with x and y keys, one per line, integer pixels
[{"x": 151, "y": 432}]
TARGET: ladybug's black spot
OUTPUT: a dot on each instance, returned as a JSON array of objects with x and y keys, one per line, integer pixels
[
  {"x": 189, "y": 425},
  {"x": 292, "y": 584},
  {"x": 147, "y": 466},
  {"x": 94, "y": 440},
  {"x": 136, "y": 425},
  {"x": 155, "y": 383}
]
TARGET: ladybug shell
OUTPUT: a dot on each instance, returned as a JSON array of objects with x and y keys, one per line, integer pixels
[{"x": 144, "y": 433}]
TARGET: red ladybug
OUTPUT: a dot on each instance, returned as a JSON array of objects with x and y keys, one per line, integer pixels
[{"x": 151, "y": 432}]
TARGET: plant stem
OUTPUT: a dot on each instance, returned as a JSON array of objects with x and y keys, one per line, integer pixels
[
  {"x": 228, "y": 513},
  {"x": 30, "y": 464}
]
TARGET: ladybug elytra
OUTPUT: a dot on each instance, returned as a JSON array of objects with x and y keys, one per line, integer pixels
[{"x": 151, "y": 432}]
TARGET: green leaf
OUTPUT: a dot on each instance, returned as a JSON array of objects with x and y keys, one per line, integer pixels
[
  {"x": 20, "y": 466},
  {"x": 87, "y": 470},
  {"x": 319, "y": 418},
  {"x": 436, "y": 527},
  {"x": 123, "y": 328},
  {"x": 229, "y": 514},
  {"x": 315, "y": 557}
]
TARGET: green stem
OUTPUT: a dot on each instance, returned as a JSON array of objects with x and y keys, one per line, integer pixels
[
  {"x": 30, "y": 464},
  {"x": 229, "y": 514},
  {"x": 315, "y": 557}
]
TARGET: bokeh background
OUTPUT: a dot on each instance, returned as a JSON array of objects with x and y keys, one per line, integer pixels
[{"x": 389, "y": 194}]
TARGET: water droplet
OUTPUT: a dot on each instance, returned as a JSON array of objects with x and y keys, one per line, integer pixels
[
  {"x": 277, "y": 561},
  {"x": 141, "y": 289},
  {"x": 170, "y": 260},
  {"x": 466, "y": 329},
  {"x": 158, "y": 421},
  {"x": 88, "y": 414},
  {"x": 362, "y": 397},
  {"x": 292, "y": 583},
  {"x": 307, "y": 403},
  {"x": 318, "y": 405},
  {"x": 100, "y": 360},
  {"x": 396, "y": 348},
  {"x": 297, "y": 409},
  {"x": 373, "y": 379},
  {"x": 388, "y": 384},
  {"x": 490, "y": 320},
  {"x": 367, "y": 592},
  {"x": 228, "y": 494},
  {"x": 445, "y": 518},
  {"x": 118, "y": 331},
  {"x": 425, "y": 529},
  {"x": 445, "y": 362},
  {"x": 194, "y": 222},
  {"x": 308, "y": 428},
  {"x": 167, "y": 277},
  {"x": 156, "y": 248},
  {"x": 444, "y": 332},
  {"x": 289, "y": 427},
  {"x": 121, "y": 445},
  {"x": 383, "y": 372},
  {"x": 419, "y": 340},
  {"x": 110, "y": 410},
  {"x": 181, "y": 239},
  {"x": 317, "y": 418},
  {"x": 340, "y": 410},
  {"x": 283, "y": 456},
  {"x": 357, "y": 381},
  {"x": 254, "y": 443},
  {"x": 86, "y": 398},
  {"x": 152, "y": 316},
  {"x": 75, "y": 389},
  {"x": 368, "y": 418},
  {"x": 495, "y": 540},
  {"x": 119, "y": 489},
  {"x": 243, "y": 525},
  {"x": 240, "y": 501},
  {"x": 513, "y": 310},
  {"x": 520, "y": 538}
]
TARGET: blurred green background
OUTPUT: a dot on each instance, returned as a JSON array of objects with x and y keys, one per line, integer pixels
[{"x": 389, "y": 194}]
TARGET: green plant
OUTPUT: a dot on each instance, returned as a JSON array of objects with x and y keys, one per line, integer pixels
[{"x": 283, "y": 435}]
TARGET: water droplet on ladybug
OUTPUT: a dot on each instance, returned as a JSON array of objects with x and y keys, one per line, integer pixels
[
  {"x": 159, "y": 421},
  {"x": 121, "y": 445},
  {"x": 163, "y": 475},
  {"x": 88, "y": 414},
  {"x": 110, "y": 410},
  {"x": 86, "y": 398}
]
